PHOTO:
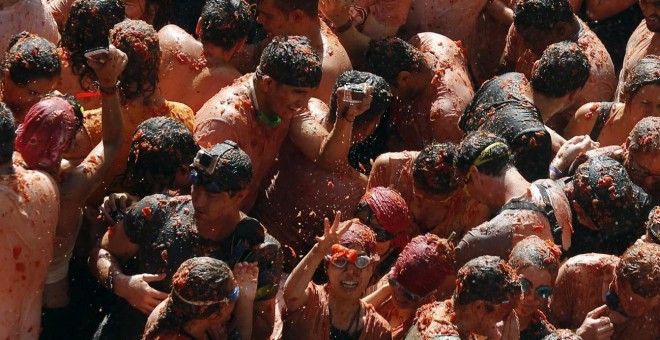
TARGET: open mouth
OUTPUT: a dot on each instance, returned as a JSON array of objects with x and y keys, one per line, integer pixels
[{"x": 349, "y": 284}]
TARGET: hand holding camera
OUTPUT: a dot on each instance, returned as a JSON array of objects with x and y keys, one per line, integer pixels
[
  {"x": 107, "y": 63},
  {"x": 353, "y": 100}
]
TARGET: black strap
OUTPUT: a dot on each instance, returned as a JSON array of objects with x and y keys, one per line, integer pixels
[
  {"x": 547, "y": 210},
  {"x": 603, "y": 116}
]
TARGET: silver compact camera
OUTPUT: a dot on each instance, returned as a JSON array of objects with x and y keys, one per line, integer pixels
[{"x": 354, "y": 93}]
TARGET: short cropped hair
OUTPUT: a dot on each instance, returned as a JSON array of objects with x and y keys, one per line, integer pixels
[
  {"x": 225, "y": 23},
  {"x": 537, "y": 253},
  {"x": 541, "y": 14},
  {"x": 563, "y": 68},
  {"x": 434, "y": 169},
  {"x": 488, "y": 152},
  {"x": 645, "y": 136},
  {"x": 291, "y": 60},
  {"x": 638, "y": 267},
  {"x": 390, "y": 56},
  {"x": 645, "y": 72},
  {"x": 30, "y": 57},
  {"x": 486, "y": 278}
]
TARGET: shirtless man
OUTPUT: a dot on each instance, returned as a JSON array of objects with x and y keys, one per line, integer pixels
[
  {"x": 29, "y": 217},
  {"x": 428, "y": 182},
  {"x": 26, "y": 15},
  {"x": 430, "y": 79},
  {"x": 300, "y": 17},
  {"x": 487, "y": 291},
  {"x": 522, "y": 208},
  {"x": 301, "y": 192},
  {"x": 163, "y": 231},
  {"x": 192, "y": 71},
  {"x": 260, "y": 110},
  {"x": 641, "y": 154},
  {"x": 537, "y": 24},
  {"x": 603, "y": 295},
  {"x": 31, "y": 68},
  {"x": 644, "y": 41}
]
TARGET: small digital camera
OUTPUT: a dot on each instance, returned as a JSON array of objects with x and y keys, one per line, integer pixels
[
  {"x": 99, "y": 54},
  {"x": 354, "y": 93},
  {"x": 205, "y": 161}
]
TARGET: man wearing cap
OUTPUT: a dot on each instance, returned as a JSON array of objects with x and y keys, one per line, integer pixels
[
  {"x": 162, "y": 231},
  {"x": 521, "y": 208},
  {"x": 261, "y": 109}
]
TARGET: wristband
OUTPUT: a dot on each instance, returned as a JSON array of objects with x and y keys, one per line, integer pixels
[
  {"x": 555, "y": 173},
  {"x": 108, "y": 90},
  {"x": 345, "y": 27}
]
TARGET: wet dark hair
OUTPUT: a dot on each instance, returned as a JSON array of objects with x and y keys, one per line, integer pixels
[
  {"x": 234, "y": 170},
  {"x": 198, "y": 280},
  {"x": 486, "y": 278},
  {"x": 309, "y": 7},
  {"x": 638, "y": 266},
  {"x": 7, "y": 133},
  {"x": 88, "y": 27},
  {"x": 645, "y": 136},
  {"x": 225, "y": 23},
  {"x": 390, "y": 56},
  {"x": 605, "y": 193},
  {"x": 30, "y": 57},
  {"x": 562, "y": 334},
  {"x": 473, "y": 147},
  {"x": 139, "y": 41},
  {"x": 537, "y": 253},
  {"x": 520, "y": 124},
  {"x": 435, "y": 168},
  {"x": 291, "y": 60},
  {"x": 563, "y": 68},
  {"x": 645, "y": 72},
  {"x": 381, "y": 97},
  {"x": 160, "y": 147},
  {"x": 541, "y": 14}
]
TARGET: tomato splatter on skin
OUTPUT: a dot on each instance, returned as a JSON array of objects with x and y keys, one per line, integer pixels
[
  {"x": 331, "y": 184},
  {"x": 17, "y": 252},
  {"x": 147, "y": 213}
]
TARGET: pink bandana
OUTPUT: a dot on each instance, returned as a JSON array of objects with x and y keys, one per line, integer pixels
[{"x": 47, "y": 132}]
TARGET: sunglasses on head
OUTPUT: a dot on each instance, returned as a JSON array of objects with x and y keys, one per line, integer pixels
[
  {"x": 408, "y": 295},
  {"x": 543, "y": 292},
  {"x": 360, "y": 262}
]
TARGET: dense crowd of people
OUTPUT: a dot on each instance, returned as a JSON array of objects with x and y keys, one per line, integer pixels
[{"x": 330, "y": 169}]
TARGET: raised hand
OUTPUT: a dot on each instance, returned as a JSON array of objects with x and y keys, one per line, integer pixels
[
  {"x": 137, "y": 291},
  {"x": 246, "y": 275},
  {"x": 596, "y": 325},
  {"x": 332, "y": 233}
]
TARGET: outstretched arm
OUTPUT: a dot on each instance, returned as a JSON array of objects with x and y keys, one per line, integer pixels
[
  {"x": 297, "y": 284},
  {"x": 85, "y": 178}
]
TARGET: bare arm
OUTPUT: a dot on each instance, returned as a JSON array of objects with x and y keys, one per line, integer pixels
[
  {"x": 246, "y": 275},
  {"x": 379, "y": 296},
  {"x": 603, "y": 9},
  {"x": 105, "y": 266},
  {"x": 86, "y": 177},
  {"x": 296, "y": 286},
  {"x": 329, "y": 150},
  {"x": 355, "y": 42},
  {"x": 583, "y": 121}
]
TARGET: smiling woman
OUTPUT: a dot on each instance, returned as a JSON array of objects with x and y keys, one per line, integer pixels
[{"x": 334, "y": 310}]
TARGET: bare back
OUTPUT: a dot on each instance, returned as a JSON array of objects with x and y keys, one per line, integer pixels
[
  {"x": 185, "y": 75},
  {"x": 334, "y": 61},
  {"x": 29, "y": 202}
]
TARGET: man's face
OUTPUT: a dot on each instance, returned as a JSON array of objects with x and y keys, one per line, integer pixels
[
  {"x": 635, "y": 305},
  {"x": 536, "y": 39},
  {"x": 135, "y": 9},
  {"x": 274, "y": 21},
  {"x": 286, "y": 101},
  {"x": 644, "y": 170},
  {"x": 646, "y": 102},
  {"x": 651, "y": 11},
  {"x": 209, "y": 207},
  {"x": 494, "y": 313},
  {"x": 350, "y": 281},
  {"x": 21, "y": 98}
]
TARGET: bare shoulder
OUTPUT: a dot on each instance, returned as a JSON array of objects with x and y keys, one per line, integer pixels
[
  {"x": 584, "y": 120},
  {"x": 589, "y": 264}
]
